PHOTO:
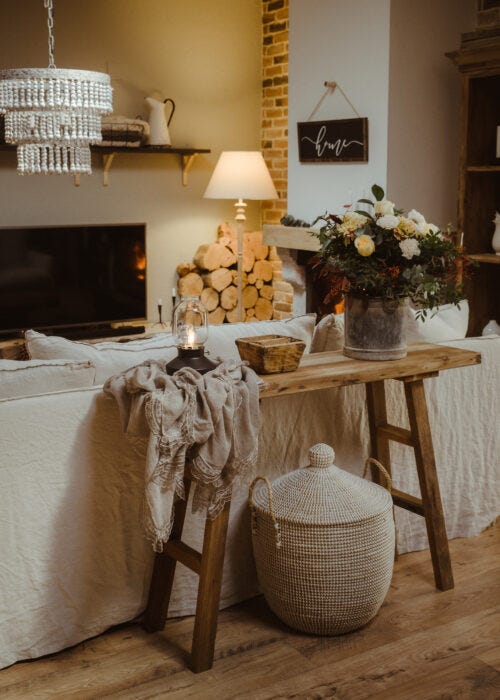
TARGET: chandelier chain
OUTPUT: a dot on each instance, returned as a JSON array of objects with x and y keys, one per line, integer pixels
[{"x": 50, "y": 25}]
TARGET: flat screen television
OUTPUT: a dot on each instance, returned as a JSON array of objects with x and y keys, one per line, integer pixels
[{"x": 64, "y": 276}]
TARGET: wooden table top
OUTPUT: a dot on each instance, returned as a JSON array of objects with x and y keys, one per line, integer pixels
[{"x": 323, "y": 370}]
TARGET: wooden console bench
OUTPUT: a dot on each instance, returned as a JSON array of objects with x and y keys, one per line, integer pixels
[{"x": 321, "y": 371}]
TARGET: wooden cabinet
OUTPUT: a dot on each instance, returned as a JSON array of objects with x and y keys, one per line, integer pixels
[{"x": 478, "y": 61}]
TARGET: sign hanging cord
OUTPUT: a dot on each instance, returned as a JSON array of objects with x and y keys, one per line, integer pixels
[{"x": 330, "y": 89}]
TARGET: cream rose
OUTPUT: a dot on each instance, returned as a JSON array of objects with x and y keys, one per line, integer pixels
[
  {"x": 406, "y": 227},
  {"x": 384, "y": 207},
  {"x": 364, "y": 245},
  {"x": 352, "y": 221}
]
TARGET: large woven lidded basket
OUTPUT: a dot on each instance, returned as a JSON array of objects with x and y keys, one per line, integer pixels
[{"x": 323, "y": 542}]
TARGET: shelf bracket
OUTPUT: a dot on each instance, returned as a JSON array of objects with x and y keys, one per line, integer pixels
[
  {"x": 107, "y": 160},
  {"x": 187, "y": 163}
]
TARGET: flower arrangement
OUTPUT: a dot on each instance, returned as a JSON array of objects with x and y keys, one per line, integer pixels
[{"x": 383, "y": 252}]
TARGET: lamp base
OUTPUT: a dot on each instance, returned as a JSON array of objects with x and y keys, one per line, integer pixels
[{"x": 190, "y": 357}]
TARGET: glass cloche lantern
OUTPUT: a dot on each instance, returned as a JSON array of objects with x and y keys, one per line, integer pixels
[{"x": 190, "y": 329}]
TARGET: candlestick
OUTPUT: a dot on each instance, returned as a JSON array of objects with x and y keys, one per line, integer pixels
[{"x": 174, "y": 297}]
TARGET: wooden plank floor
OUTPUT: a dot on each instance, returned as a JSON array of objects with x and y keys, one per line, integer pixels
[{"x": 423, "y": 645}]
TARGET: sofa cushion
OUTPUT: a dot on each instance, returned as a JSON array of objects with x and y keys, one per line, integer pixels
[
  {"x": 32, "y": 377},
  {"x": 221, "y": 338},
  {"x": 113, "y": 357},
  {"x": 108, "y": 357},
  {"x": 447, "y": 322}
]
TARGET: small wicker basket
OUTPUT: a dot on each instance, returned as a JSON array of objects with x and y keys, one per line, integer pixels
[
  {"x": 323, "y": 542},
  {"x": 122, "y": 131},
  {"x": 271, "y": 354}
]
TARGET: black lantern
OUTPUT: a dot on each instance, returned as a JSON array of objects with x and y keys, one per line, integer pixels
[{"x": 190, "y": 328}]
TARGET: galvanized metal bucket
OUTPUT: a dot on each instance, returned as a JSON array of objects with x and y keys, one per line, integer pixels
[{"x": 375, "y": 329}]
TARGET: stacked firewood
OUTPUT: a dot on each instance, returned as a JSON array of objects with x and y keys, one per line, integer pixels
[{"x": 213, "y": 276}]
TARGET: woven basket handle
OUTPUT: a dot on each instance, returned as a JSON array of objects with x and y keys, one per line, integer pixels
[
  {"x": 270, "y": 500},
  {"x": 372, "y": 460}
]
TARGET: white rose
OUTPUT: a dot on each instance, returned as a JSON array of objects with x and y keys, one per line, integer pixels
[
  {"x": 388, "y": 221},
  {"x": 422, "y": 228},
  {"x": 433, "y": 228},
  {"x": 409, "y": 248},
  {"x": 416, "y": 216},
  {"x": 384, "y": 207}
]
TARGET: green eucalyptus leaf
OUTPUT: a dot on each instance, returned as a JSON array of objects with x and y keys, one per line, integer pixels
[
  {"x": 364, "y": 213},
  {"x": 366, "y": 201},
  {"x": 378, "y": 192}
]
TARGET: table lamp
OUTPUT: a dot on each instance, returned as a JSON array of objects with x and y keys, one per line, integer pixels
[{"x": 240, "y": 175}]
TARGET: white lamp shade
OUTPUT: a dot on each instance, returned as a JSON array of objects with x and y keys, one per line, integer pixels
[{"x": 241, "y": 175}]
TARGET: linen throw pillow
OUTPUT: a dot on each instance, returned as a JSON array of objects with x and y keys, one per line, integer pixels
[
  {"x": 221, "y": 338},
  {"x": 447, "y": 322},
  {"x": 108, "y": 357},
  {"x": 32, "y": 377},
  {"x": 329, "y": 334}
]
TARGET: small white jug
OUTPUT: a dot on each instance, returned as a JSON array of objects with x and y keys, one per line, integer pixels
[{"x": 158, "y": 124}]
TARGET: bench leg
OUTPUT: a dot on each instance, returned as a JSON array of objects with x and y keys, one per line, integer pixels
[
  {"x": 429, "y": 485},
  {"x": 207, "y": 607},
  {"x": 377, "y": 417},
  {"x": 162, "y": 580}
]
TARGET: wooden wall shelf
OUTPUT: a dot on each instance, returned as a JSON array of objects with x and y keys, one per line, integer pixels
[
  {"x": 486, "y": 258},
  {"x": 483, "y": 168},
  {"x": 293, "y": 237},
  {"x": 187, "y": 156}
]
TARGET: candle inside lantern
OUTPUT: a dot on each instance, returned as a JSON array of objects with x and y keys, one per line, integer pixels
[{"x": 191, "y": 337}]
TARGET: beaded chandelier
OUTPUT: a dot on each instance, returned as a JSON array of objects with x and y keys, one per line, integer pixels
[{"x": 52, "y": 114}]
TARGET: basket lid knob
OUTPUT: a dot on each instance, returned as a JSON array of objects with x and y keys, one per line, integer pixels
[{"x": 321, "y": 455}]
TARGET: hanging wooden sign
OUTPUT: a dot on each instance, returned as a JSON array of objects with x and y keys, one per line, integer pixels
[{"x": 334, "y": 141}]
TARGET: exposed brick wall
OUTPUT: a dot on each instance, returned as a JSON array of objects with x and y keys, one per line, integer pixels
[
  {"x": 275, "y": 103},
  {"x": 275, "y": 133}
]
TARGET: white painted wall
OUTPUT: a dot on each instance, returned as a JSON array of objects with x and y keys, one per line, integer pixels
[
  {"x": 204, "y": 55},
  {"x": 424, "y": 105},
  {"x": 388, "y": 56},
  {"x": 346, "y": 41}
]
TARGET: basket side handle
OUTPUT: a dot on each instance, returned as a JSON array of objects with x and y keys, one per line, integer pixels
[
  {"x": 372, "y": 460},
  {"x": 270, "y": 500}
]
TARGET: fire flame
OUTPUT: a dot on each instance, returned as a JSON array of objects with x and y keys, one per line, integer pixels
[
  {"x": 339, "y": 308},
  {"x": 139, "y": 261}
]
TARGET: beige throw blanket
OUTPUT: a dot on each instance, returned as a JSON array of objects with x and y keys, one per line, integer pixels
[{"x": 211, "y": 421}]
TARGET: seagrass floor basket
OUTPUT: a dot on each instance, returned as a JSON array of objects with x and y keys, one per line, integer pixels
[{"x": 323, "y": 542}]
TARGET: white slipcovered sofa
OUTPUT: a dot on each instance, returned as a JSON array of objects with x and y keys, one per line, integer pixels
[{"x": 73, "y": 557}]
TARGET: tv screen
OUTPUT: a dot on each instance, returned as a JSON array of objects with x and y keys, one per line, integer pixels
[{"x": 60, "y": 276}]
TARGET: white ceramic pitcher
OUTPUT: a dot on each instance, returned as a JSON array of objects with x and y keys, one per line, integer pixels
[{"x": 158, "y": 124}]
